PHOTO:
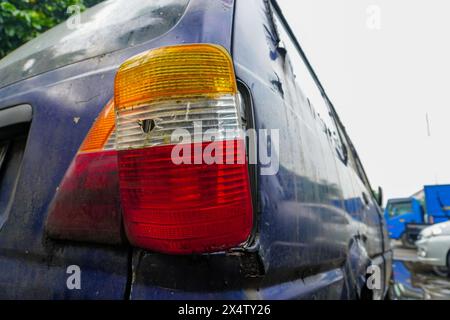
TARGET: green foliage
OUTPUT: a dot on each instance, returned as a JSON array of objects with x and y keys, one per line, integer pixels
[{"x": 22, "y": 20}]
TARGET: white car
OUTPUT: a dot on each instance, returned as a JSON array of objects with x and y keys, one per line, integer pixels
[{"x": 434, "y": 245}]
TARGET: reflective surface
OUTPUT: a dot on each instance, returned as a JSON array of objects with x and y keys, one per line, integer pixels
[
  {"x": 107, "y": 27},
  {"x": 416, "y": 281}
]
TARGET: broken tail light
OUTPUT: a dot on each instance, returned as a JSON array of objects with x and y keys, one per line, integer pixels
[
  {"x": 194, "y": 206},
  {"x": 126, "y": 170}
]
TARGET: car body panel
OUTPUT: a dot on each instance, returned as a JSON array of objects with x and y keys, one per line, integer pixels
[{"x": 295, "y": 219}]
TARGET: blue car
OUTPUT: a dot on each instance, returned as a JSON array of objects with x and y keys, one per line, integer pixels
[{"x": 180, "y": 149}]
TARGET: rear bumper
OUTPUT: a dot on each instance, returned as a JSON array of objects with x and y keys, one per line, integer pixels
[{"x": 222, "y": 276}]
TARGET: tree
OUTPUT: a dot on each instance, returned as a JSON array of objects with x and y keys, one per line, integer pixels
[{"x": 22, "y": 20}]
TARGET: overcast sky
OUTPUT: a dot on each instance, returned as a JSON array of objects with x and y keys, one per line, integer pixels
[{"x": 385, "y": 64}]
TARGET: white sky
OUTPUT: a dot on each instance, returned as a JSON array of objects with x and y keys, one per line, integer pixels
[{"x": 384, "y": 82}]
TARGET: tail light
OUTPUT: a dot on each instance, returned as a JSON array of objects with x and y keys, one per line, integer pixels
[
  {"x": 196, "y": 206},
  {"x": 87, "y": 204},
  {"x": 129, "y": 162}
]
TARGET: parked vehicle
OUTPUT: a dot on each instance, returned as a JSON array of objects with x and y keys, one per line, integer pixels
[
  {"x": 407, "y": 217},
  {"x": 434, "y": 245},
  {"x": 88, "y": 182}
]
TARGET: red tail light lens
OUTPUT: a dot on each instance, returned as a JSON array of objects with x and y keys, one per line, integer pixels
[
  {"x": 186, "y": 208},
  {"x": 87, "y": 204}
]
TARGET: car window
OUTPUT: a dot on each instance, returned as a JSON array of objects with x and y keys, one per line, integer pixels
[
  {"x": 110, "y": 26},
  {"x": 399, "y": 208}
]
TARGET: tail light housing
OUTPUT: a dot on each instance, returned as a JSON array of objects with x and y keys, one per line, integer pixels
[
  {"x": 128, "y": 168},
  {"x": 199, "y": 205}
]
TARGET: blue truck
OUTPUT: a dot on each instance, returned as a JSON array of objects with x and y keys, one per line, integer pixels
[
  {"x": 406, "y": 217},
  {"x": 93, "y": 206}
]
